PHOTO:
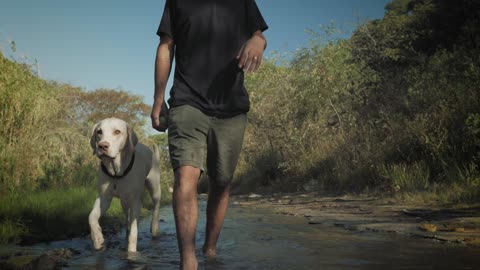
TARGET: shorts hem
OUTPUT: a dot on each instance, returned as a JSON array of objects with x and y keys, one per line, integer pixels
[{"x": 178, "y": 164}]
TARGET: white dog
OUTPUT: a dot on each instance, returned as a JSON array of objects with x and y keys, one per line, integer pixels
[{"x": 126, "y": 168}]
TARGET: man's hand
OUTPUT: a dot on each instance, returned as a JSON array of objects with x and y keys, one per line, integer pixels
[
  {"x": 159, "y": 116},
  {"x": 250, "y": 55},
  {"x": 163, "y": 63}
]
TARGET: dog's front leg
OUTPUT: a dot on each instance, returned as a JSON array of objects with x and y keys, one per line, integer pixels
[
  {"x": 99, "y": 208},
  {"x": 126, "y": 211},
  {"x": 134, "y": 216},
  {"x": 153, "y": 186}
]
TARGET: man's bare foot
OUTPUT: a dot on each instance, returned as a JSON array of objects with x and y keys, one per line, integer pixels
[
  {"x": 189, "y": 264},
  {"x": 209, "y": 252}
]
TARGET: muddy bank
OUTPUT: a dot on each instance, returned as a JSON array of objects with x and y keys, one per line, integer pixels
[
  {"x": 54, "y": 259},
  {"x": 459, "y": 225}
]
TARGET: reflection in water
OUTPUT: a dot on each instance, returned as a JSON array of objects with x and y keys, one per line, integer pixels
[{"x": 255, "y": 239}]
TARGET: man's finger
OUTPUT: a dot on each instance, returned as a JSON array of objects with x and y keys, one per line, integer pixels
[
  {"x": 259, "y": 62},
  {"x": 254, "y": 64},
  {"x": 240, "y": 52},
  {"x": 247, "y": 65},
  {"x": 243, "y": 60},
  {"x": 248, "y": 68},
  {"x": 155, "y": 122},
  {"x": 252, "y": 68}
]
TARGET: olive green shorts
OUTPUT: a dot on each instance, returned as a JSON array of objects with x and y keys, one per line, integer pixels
[{"x": 196, "y": 139}]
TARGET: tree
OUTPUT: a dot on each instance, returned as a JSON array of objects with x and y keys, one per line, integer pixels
[{"x": 84, "y": 108}]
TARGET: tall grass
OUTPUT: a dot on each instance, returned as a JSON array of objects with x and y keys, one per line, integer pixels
[
  {"x": 11, "y": 231},
  {"x": 405, "y": 177},
  {"x": 50, "y": 214}
]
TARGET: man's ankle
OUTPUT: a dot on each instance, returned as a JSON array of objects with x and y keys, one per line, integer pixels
[
  {"x": 189, "y": 262},
  {"x": 209, "y": 251}
]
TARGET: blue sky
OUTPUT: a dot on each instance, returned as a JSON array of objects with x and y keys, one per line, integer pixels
[{"x": 111, "y": 43}]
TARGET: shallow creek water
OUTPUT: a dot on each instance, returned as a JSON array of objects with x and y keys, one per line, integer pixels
[{"x": 259, "y": 239}]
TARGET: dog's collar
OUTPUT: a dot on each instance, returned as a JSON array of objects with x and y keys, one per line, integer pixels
[{"x": 129, "y": 168}]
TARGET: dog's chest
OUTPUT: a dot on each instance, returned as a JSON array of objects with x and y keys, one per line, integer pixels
[{"x": 123, "y": 189}]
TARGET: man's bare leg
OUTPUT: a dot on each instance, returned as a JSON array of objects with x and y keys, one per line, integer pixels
[
  {"x": 185, "y": 209},
  {"x": 216, "y": 210}
]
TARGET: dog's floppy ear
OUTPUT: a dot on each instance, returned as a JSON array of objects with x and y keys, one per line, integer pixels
[
  {"x": 93, "y": 137},
  {"x": 132, "y": 138}
]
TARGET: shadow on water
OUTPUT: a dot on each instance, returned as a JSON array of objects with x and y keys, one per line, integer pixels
[{"x": 257, "y": 239}]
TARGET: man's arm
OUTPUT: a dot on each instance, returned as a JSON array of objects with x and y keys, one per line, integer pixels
[
  {"x": 251, "y": 53},
  {"x": 163, "y": 63}
]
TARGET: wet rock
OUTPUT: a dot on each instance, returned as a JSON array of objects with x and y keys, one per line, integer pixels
[
  {"x": 360, "y": 213},
  {"x": 45, "y": 262},
  {"x": 55, "y": 259},
  {"x": 16, "y": 262},
  {"x": 472, "y": 241},
  {"x": 428, "y": 227},
  {"x": 285, "y": 213},
  {"x": 314, "y": 222}
]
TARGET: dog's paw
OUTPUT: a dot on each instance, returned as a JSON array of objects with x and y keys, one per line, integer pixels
[
  {"x": 132, "y": 248},
  {"x": 98, "y": 243},
  {"x": 155, "y": 233},
  {"x": 154, "y": 229},
  {"x": 99, "y": 248}
]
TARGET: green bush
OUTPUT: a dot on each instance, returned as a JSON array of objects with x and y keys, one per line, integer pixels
[{"x": 394, "y": 108}]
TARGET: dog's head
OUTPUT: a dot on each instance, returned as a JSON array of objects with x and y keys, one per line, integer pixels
[{"x": 112, "y": 136}]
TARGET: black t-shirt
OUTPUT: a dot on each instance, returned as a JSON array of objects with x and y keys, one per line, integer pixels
[{"x": 208, "y": 35}]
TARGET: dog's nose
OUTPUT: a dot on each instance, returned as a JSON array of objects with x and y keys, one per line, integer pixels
[{"x": 104, "y": 146}]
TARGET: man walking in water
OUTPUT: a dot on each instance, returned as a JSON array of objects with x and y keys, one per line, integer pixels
[{"x": 214, "y": 43}]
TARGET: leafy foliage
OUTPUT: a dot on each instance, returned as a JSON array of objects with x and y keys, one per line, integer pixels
[
  {"x": 394, "y": 108},
  {"x": 44, "y": 139}
]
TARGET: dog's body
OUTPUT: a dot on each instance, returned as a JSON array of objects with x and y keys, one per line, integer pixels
[{"x": 127, "y": 167}]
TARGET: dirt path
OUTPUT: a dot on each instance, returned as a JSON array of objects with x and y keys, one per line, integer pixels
[{"x": 453, "y": 225}]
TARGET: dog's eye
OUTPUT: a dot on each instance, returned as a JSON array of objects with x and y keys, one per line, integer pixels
[
  {"x": 116, "y": 132},
  {"x": 99, "y": 132}
]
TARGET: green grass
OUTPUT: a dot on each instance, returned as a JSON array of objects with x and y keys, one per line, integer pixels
[
  {"x": 11, "y": 230},
  {"x": 50, "y": 215},
  {"x": 443, "y": 194},
  {"x": 57, "y": 214},
  {"x": 403, "y": 177}
]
